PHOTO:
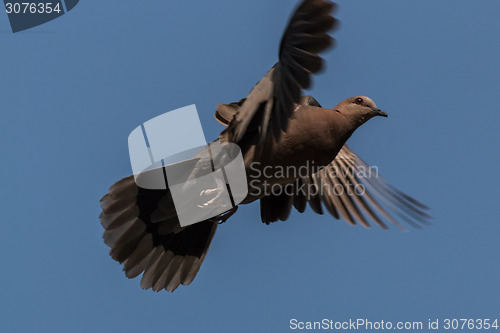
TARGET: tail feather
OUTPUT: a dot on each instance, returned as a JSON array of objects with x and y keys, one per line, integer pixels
[{"x": 144, "y": 234}]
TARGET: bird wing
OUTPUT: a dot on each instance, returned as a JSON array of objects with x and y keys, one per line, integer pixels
[
  {"x": 226, "y": 112},
  {"x": 144, "y": 234},
  {"x": 350, "y": 189},
  {"x": 270, "y": 103}
]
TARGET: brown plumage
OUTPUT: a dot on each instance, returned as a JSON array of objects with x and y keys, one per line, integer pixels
[{"x": 275, "y": 128}]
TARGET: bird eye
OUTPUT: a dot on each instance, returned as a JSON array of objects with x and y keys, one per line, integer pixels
[{"x": 359, "y": 101}]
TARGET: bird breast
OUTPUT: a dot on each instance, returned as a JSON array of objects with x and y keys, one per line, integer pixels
[{"x": 312, "y": 140}]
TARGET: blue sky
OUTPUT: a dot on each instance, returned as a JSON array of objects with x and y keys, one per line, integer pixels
[{"x": 73, "y": 89}]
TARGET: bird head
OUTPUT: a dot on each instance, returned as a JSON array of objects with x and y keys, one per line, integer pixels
[{"x": 359, "y": 109}]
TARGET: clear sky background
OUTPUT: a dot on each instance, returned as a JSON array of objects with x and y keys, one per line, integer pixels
[{"x": 73, "y": 89}]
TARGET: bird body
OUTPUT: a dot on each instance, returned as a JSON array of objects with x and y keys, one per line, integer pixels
[
  {"x": 313, "y": 138},
  {"x": 325, "y": 135}
]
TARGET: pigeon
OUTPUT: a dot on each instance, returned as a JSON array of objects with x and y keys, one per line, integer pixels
[{"x": 276, "y": 129}]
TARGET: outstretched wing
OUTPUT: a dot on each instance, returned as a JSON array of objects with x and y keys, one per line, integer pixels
[
  {"x": 271, "y": 101},
  {"x": 350, "y": 189},
  {"x": 144, "y": 234}
]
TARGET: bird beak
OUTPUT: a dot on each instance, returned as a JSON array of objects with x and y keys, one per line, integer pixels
[{"x": 379, "y": 112}]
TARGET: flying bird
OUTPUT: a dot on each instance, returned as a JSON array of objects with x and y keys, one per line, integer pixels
[{"x": 277, "y": 128}]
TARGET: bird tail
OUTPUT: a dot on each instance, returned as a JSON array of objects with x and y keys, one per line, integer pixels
[{"x": 144, "y": 234}]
